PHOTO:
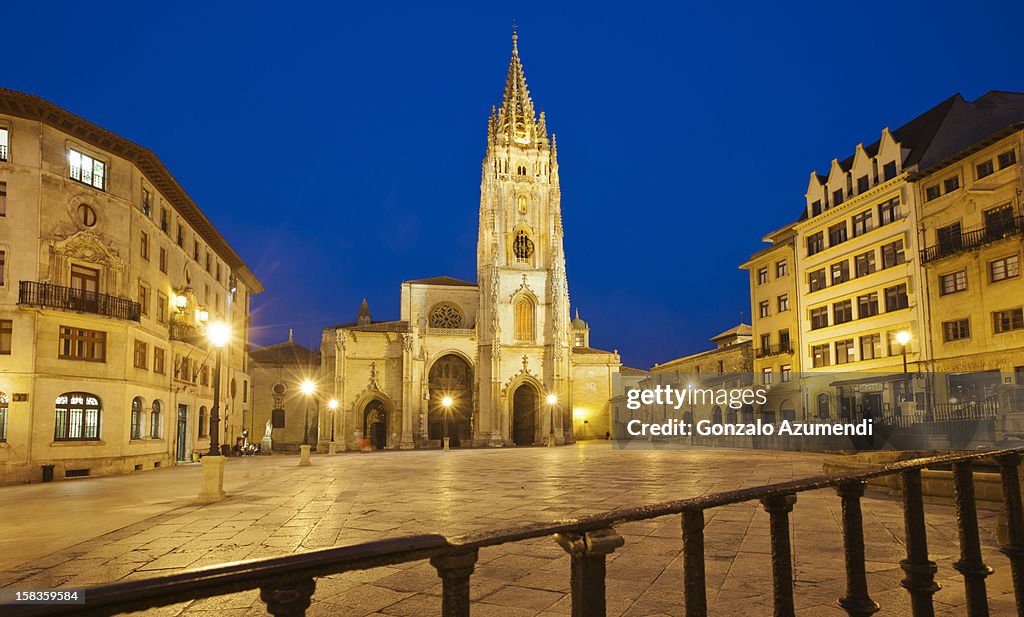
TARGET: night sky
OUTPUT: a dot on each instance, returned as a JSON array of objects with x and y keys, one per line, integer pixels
[{"x": 338, "y": 148}]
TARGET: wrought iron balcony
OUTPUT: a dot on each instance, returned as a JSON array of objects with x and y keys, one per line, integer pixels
[
  {"x": 184, "y": 332},
  {"x": 33, "y": 293},
  {"x": 973, "y": 238},
  {"x": 773, "y": 350}
]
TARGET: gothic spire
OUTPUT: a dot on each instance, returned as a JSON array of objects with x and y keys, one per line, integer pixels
[
  {"x": 363, "y": 317},
  {"x": 517, "y": 118}
]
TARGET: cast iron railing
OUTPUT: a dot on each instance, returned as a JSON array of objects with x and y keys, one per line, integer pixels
[
  {"x": 187, "y": 333},
  {"x": 33, "y": 293},
  {"x": 773, "y": 350},
  {"x": 287, "y": 583},
  {"x": 973, "y": 238}
]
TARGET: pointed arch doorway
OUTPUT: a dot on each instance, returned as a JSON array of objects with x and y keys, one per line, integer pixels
[
  {"x": 524, "y": 415},
  {"x": 451, "y": 376},
  {"x": 375, "y": 424}
]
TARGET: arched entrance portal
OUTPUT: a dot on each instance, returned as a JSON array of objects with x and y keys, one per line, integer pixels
[
  {"x": 451, "y": 376},
  {"x": 375, "y": 424},
  {"x": 524, "y": 415}
]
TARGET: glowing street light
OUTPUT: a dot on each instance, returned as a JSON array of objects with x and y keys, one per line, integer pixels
[
  {"x": 903, "y": 337},
  {"x": 218, "y": 334},
  {"x": 552, "y": 400},
  {"x": 333, "y": 406},
  {"x": 307, "y": 387},
  {"x": 446, "y": 403}
]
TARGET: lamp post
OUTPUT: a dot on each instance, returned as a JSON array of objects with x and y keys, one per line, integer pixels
[
  {"x": 552, "y": 401},
  {"x": 446, "y": 404},
  {"x": 903, "y": 337},
  {"x": 219, "y": 334},
  {"x": 213, "y": 463},
  {"x": 307, "y": 388},
  {"x": 333, "y": 406}
]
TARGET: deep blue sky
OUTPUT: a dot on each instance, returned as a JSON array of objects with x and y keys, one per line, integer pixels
[{"x": 338, "y": 148}]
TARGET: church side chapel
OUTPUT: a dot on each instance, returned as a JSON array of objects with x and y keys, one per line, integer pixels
[{"x": 499, "y": 362}]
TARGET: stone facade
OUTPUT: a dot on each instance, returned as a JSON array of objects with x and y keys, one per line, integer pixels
[
  {"x": 919, "y": 233},
  {"x": 498, "y": 349},
  {"x": 278, "y": 372},
  {"x": 109, "y": 273}
]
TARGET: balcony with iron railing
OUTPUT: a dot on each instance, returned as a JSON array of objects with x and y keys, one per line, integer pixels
[
  {"x": 184, "y": 332},
  {"x": 773, "y": 350},
  {"x": 46, "y": 295},
  {"x": 973, "y": 238}
]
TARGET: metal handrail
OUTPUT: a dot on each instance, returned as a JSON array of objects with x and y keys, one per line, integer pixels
[
  {"x": 972, "y": 238},
  {"x": 287, "y": 583},
  {"x": 34, "y": 293}
]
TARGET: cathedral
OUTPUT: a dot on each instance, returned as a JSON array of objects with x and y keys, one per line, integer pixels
[{"x": 496, "y": 362}]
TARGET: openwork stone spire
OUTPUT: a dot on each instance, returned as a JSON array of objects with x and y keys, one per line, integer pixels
[{"x": 516, "y": 120}]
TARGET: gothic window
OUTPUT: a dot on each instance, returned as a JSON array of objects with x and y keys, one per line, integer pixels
[
  {"x": 521, "y": 170},
  {"x": 522, "y": 247},
  {"x": 446, "y": 316},
  {"x": 522, "y": 204},
  {"x": 524, "y": 319}
]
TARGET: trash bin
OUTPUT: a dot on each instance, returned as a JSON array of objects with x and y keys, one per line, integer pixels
[
  {"x": 47, "y": 473},
  {"x": 225, "y": 449}
]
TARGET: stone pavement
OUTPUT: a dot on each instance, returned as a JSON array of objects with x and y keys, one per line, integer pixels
[{"x": 277, "y": 508}]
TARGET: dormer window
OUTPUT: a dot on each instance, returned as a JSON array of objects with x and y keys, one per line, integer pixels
[
  {"x": 837, "y": 197},
  {"x": 889, "y": 170},
  {"x": 816, "y": 208},
  {"x": 862, "y": 184}
]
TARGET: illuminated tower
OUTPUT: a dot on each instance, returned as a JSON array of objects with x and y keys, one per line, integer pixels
[{"x": 523, "y": 325}]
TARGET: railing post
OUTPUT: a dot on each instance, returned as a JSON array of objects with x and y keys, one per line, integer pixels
[
  {"x": 455, "y": 570},
  {"x": 694, "y": 585},
  {"x": 970, "y": 564},
  {"x": 288, "y": 599},
  {"x": 588, "y": 551},
  {"x": 920, "y": 580},
  {"x": 778, "y": 507},
  {"x": 1009, "y": 467},
  {"x": 856, "y": 602}
]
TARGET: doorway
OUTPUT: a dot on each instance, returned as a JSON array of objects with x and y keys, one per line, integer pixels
[
  {"x": 450, "y": 377},
  {"x": 375, "y": 424},
  {"x": 524, "y": 415},
  {"x": 181, "y": 447},
  {"x": 873, "y": 406}
]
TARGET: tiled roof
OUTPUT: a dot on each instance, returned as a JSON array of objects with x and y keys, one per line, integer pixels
[
  {"x": 740, "y": 330},
  {"x": 628, "y": 370},
  {"x": 590, "y": 350},
  {"x": 285, "y": 353},
  {"x": 443, "y": 280},
  {"x": 377, "y": 326}
]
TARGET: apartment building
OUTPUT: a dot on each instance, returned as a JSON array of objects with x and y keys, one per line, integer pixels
[{"x": 109, "y": 273}]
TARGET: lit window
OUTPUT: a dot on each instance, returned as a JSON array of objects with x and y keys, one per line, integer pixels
[
  {"x": 87, "y": 170},
  {"x": 524, "y": 313},
  {"x": 4, "y": 137},
  {"x": 154, "y": 421},
  {"x": 953, "y": 282},
  {"x": 1005, "y": 268},
  {"x": 136, "y": 418},
  {"x": 76, "y": 417}
]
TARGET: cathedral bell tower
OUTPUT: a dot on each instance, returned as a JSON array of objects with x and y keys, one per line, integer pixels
[{"x": 523, "y": 324}]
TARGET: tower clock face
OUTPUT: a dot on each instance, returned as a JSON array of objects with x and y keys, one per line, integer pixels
[{"x": 520, "y": 133}]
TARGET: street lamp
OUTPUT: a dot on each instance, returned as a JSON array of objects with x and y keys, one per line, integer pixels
[
  {"x": 333, "y": 406},
  {"x": 307, "y": 388},
  {"x": 219, "y": 334},
  {"x": 446, "y": 403},
  {"x": 903, "y": 337},
  {"x": 213, "y": 463},
  {"x": 552, "y": 401}
]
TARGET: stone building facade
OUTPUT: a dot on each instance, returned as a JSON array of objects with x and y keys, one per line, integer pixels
[
  {"x": 917, "y": 234},
  {"x": 108, "y": 274},
  {"x": 278, "y": 373},
  {"x": 504, "y": 350}
]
